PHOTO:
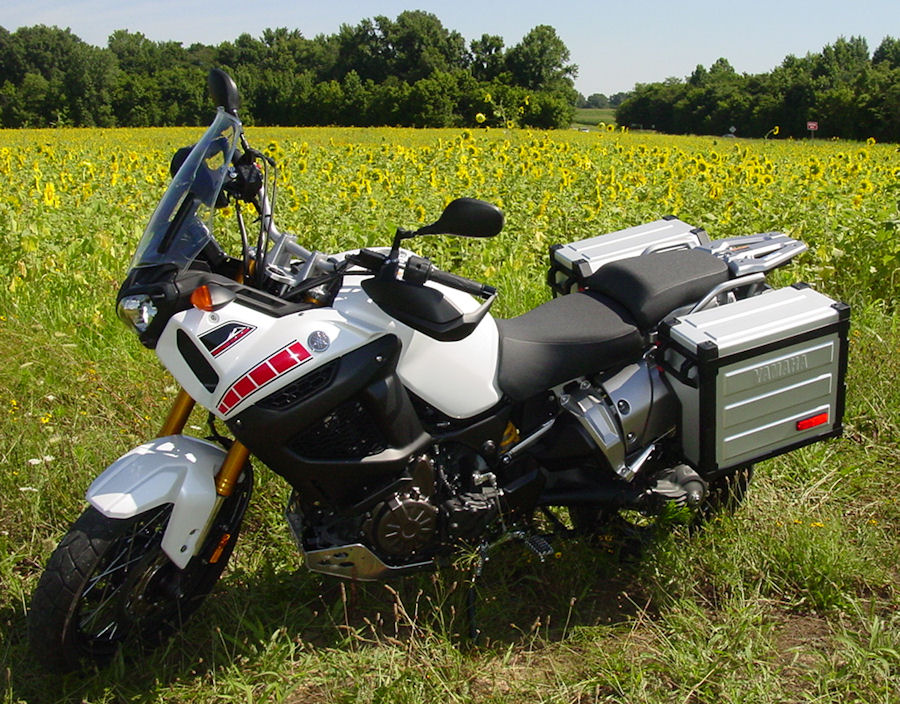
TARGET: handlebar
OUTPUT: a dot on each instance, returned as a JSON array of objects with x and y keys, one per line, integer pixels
[
  {"x": 418, "y": 270},
  {"x": 461, "y": 283}
]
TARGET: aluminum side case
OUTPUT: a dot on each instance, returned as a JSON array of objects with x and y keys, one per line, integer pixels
[
  {"x": 758, "y": 377},
  {"x": 571, "y": 264}
]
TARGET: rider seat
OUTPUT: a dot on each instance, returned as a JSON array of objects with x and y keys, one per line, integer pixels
[
  {"x": 605, "y": 325},
  {"x": 653, "y": 285},
  {"x": 562, "y": 339}
]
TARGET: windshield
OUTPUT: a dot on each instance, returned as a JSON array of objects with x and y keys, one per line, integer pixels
[{"x": 181, "y": 226}]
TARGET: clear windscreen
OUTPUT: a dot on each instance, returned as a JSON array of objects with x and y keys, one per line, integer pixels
[{"x": 182, "y": 224}]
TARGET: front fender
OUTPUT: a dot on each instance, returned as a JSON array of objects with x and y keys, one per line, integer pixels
[{"x": 176, "y": 469}]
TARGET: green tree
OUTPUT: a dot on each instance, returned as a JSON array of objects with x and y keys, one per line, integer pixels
[
  {"x": 408, "y": 71},
  {"x": 135, "y": 54},
  {"x": 487, "y": 62},
  {"x": 597, "y": 100},
  {"x": 888, "y": 52},
  {"x": 548, "y": 110},
  {"x": 360, "y": 48},
  {"x": 432, "y": 101},
  {"x": 540, "y": 61},
  {"x": 840, "y": 63},
  {"x": 417, "y": 46}
]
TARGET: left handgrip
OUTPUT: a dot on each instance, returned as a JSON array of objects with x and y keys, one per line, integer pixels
[
  {"x": 418, "y": 270},
  {"x": 461, "y": 283}
]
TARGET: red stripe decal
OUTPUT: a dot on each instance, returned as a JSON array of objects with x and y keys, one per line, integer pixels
[
  {"x": 231, "y": 399},
  {"x": 237, "y": 337},
  {"x": 244, "y": 387},
  {"x": 282, "y": 361},
  {"x": 299, "y": 351},
  {"x": 264, "y": 372}
]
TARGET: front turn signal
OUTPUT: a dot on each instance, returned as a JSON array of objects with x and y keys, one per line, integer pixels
[{"x": 210, "y": 297}]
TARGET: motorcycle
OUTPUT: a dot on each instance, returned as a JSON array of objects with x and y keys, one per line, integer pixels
[{"x": 410, "y": 423}]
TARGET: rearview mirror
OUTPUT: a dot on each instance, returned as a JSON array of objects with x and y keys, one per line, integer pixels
[
  {"x": 466, "y": 217},
  {"x": 223, "y": 90}
]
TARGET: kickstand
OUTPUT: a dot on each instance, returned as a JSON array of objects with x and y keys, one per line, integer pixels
[{"x": 471, "y": 597}]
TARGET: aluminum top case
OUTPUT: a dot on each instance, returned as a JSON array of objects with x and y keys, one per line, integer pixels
[
  {"x": 757, "y": 377},
  {"x": 571, "y": 264}
]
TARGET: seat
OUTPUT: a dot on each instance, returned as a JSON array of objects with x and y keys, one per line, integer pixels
[
  {"x": 653, "y": 285},
  {"x": 562, "y": 339}
]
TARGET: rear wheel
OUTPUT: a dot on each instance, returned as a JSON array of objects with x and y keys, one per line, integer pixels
[
  {"x": 109, "y": 584},
  {"x": 725, "y": 495}
]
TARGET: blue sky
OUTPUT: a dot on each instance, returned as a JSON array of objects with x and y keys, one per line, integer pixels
[{"x": 615, "y": 44}]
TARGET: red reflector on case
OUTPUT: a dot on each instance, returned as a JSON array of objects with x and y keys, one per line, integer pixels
[{"x": 807, "y": 423}]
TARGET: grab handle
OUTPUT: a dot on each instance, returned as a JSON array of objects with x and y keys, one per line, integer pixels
[{"x": 728, "y": 286}]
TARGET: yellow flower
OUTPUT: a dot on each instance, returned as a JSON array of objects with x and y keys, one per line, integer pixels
[
  {"x": 479, "y": 117},
  {"x": 776, "y": 129}
]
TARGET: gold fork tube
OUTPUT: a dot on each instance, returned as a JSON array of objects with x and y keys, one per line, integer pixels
[
  {"x": 234, "y": 461},
  {"x": 231, "y": 468},
  {"x": 178, "y": 415}
]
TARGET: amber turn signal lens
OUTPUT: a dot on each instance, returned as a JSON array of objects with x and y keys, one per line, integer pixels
[{"x": 202, "y": 298}]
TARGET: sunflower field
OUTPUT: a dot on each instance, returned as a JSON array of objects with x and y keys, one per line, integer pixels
[
  {"x": 77, "y": 200},
  {"x": 795, "y": 598}
]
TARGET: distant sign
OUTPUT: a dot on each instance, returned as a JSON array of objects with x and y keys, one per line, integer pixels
[{"x": 812, "y": 126}]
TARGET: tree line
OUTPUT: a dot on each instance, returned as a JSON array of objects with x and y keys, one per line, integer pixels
[
  {"x": 600, "y": 100},
  {"x": 411, "y": 71},
  {"x": 847, "y": 92}
]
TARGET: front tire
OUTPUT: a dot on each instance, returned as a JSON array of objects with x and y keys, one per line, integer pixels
[{"x": 109, "y": 583}]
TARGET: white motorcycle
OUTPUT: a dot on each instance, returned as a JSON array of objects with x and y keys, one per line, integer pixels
[{"x": 407, "y": 420}]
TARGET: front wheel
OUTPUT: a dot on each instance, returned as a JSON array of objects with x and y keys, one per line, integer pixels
[{"x": 109, "y": 583}]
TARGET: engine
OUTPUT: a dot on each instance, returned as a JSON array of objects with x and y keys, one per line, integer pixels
[
  {"x": 403, "y": 525},
  {"x": 441, "y": 504}
]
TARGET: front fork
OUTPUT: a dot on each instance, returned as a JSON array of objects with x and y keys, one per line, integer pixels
[
  {"x": 227, "y": 476},
  {"x": 232, "y": 465}
]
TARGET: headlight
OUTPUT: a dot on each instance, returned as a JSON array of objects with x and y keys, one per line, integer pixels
[{"x": 137, "y": 311}]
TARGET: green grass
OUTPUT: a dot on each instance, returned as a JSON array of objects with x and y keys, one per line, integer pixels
[{"x": 591, "y": 117}]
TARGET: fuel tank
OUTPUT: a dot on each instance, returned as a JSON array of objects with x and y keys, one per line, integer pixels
[{"x": 230, "y": 359}]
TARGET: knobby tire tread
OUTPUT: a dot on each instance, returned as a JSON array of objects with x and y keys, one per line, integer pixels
[
  {"x": 55, "y": 598},
  {"x": 54, "y": 642}
]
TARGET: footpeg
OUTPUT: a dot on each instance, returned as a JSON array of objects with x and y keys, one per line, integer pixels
[
  {"x": 680, "y": 485},
  {"x": 539, "y": 545}
]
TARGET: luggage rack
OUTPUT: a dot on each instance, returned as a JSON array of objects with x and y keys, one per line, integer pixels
[
  {"x": 751, "y": 254},
  {"x": 572, "y": 263}
]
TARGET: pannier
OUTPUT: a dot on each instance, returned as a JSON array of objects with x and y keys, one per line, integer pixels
[
  {"x": 757, "y": 374},
  {"x": 571, "y": 264},
  {"x": 757, "y": 377}
]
